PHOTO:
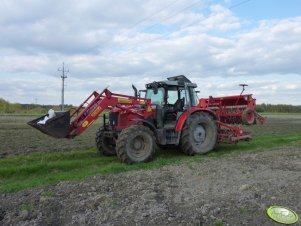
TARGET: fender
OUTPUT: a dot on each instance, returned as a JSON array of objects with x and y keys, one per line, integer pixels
[
  {"x": 151, "y": 125},
  {"x": 182, "y": 119}
]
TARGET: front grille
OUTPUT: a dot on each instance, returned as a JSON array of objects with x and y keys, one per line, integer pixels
[{"x": 113, "y": 118}]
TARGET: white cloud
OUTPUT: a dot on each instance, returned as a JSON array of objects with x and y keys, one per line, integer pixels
[{"x": 101, "y": 46}]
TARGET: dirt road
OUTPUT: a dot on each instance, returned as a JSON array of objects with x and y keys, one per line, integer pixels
[{"x": 226, "y": 191}]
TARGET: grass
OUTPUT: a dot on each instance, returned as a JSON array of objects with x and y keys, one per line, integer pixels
[
  {"x": 279, "y": 113},
  {"x": 27, "y": 207},
  {"x": 219, "y": 222},
  {"x": 243, "y": 210},
  {"x": 47, "y": 194},
  {"x": 38, "y": 169}
]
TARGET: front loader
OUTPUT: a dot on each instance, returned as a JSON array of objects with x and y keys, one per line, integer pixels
[{"x": 169, "y": 114}]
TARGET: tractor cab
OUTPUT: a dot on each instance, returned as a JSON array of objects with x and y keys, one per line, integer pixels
[{"x": 172, "y": 97}]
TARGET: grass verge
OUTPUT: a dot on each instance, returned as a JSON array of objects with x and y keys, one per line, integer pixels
[
  {"x": 280, "y": 113},
  {"x": 37, "y": 169}
]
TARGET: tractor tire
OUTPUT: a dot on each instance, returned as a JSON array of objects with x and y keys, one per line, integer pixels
[
  {"x": 105, "y": 146},
  {"x": 135, "y": 144},
  {"x": 248, "y": 117},
  {"x": 199, "y": 134}
]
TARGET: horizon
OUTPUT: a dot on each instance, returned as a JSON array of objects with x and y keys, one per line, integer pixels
[{"x": 68, "y": 104}]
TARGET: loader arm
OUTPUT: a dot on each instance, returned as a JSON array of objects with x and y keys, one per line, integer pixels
[
  {"x": 100, "y": 102},
  {"x": 87, "y": 113}
]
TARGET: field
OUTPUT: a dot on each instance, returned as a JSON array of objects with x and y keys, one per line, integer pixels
[
  {"x": 30, "y": 159},
  {"x": 16, "y": 137}
]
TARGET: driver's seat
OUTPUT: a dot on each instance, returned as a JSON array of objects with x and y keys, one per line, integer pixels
[
  {"x": 171, "y": 113},
  {"x": 179, "y": 105}
]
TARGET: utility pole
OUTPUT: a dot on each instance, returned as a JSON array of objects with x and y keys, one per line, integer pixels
[{"x": 63, "y": 76}]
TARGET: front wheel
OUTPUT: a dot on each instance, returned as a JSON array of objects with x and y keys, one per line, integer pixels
[
  {"x": 135, "y": 144},
  {"x": 199, "y": 134},
  {"x": 105, "y": 145}
]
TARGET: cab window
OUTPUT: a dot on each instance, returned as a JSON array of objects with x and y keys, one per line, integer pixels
[
  {"x": 155, "y": 98},
  {"x": 194, "y": 97},
  {"x": 172, "y": 96}
]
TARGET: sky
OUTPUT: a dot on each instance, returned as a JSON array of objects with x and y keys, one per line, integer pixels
[{"x": 116, "y": 43}]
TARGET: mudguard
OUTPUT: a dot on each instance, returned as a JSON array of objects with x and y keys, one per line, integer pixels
[{"x": 182, "y": 119}]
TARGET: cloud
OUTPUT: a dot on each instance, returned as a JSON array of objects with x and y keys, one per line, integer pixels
[
  {"x": 117, "y": 43},
  {"x": 269, "y": 48}
]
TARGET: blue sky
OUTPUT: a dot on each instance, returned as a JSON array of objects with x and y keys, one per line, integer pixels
[
  {"x": 217, "y": 44},
  {"x": 268, "y": 9}
]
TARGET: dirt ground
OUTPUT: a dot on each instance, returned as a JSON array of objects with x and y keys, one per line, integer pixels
[
  {"x": 226, "y": 191},
  {"x": 16, "y": 137},
  {"x": 232, "y": 190}
]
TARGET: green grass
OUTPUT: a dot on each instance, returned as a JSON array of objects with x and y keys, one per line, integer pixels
[
  {"x": 38, "y": 169},
  {"x": 280, "y": 113},
  {"x": 219, "y": 222},
  {"x": 27, "y": 207}
]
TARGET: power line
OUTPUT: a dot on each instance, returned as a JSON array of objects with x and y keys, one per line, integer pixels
[
  {"x": 231, "y": 7},
  {"x": 143, "y": 20},
  {"x": 239, "y": 4},
  {"x": 63, "y": 76},
  {"x": 157, "y": 23},
  {"x": 187, "y": 7},
  {"x": 153, "y": 14},
  {"x": 183, "y": 9}
]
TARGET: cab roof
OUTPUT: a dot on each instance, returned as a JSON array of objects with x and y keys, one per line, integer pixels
[{"x": 179, "y": 81}]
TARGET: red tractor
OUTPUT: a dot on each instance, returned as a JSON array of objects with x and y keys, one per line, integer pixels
[{"x": 168, "y": 115}]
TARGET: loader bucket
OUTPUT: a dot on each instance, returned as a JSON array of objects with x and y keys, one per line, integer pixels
[{"x": 57, "y": 127}]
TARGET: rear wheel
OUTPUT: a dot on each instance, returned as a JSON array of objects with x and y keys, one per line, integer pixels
[
  {"x": 105, "y": 145},
  {"x": 135, "y": 144},
  {"x": 248, "y": 117},
  {"x": 199, "y": 134}
]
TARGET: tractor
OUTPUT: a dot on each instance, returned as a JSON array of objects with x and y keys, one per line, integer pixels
[{"x": 168, "y": 115}]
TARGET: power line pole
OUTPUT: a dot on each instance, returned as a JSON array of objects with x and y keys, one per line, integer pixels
[{"x": 63, "y": 76}]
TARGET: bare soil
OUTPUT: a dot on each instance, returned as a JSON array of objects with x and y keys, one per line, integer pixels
[
  {"x": 16, "y": 137},
  {"x": 232, "y": 190},
  {"x": 226, "y": 191}
]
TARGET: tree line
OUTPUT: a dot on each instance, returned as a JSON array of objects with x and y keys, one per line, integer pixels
[
  {"x": 278, "y": 108},
  {"x": 16, "y": 108}
]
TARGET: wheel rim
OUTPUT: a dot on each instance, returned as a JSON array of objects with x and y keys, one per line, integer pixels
[
  {"x": 250, "y": 117},
  {"x": 139, "y": 146},
  {"x": 199, "y": 134}
]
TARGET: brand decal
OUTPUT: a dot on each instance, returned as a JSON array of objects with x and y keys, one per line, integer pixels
[
  {"x": 124, "y": 101},
  {"x": 85, "y": 124},
  {"x": 96, "y": 111}
]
